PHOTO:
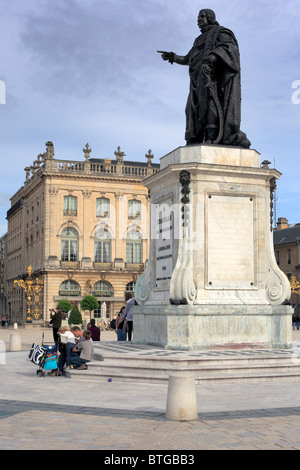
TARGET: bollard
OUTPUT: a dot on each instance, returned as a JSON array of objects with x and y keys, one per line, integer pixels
[
  {"x": 2, "y": 353},
  {"x": 15, "y": 326},
  {"x": 15, "y": 342},
  {"x": 181, "y": 399}
]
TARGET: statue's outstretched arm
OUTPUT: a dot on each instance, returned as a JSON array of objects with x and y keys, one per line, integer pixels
[{"x": 172, "y": 57}]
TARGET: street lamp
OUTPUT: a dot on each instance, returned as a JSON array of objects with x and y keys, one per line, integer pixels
[{"x": 32, "y": 288}]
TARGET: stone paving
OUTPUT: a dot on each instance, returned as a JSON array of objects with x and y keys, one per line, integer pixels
[{"x": 47, "y": 413}]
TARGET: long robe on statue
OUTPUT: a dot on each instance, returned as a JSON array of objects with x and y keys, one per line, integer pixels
[{"x": 221, "y": 43}]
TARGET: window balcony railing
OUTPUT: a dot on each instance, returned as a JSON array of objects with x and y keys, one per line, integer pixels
[
  {"x": 136, "y": 215},
  {"x": 134, "y": 266},
  {"x": 102, "y": 266},
  {"x": 72, "y": 212},
  {"x": 102, "y": 214},
  {"x": 70, "y": 264}
]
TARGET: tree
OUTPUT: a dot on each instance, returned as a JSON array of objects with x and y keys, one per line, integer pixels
[
  {"x": 89, "y": 302},
  {"x": 75, "y": 317},
  {"x": 65, "y": 305}
]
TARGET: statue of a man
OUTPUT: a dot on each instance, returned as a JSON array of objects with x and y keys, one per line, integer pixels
[{"x": 213, "y": 109}]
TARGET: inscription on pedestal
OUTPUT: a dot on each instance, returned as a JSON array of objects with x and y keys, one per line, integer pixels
[{"x": 164, "y": 247}]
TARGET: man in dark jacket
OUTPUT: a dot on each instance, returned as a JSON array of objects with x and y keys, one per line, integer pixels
[{"x": 56, "y": 319}]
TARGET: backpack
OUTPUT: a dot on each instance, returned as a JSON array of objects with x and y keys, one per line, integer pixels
[{"x": 113, "y": 324}]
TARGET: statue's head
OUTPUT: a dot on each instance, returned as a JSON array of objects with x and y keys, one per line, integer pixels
[{"x": 206, "y": 16}]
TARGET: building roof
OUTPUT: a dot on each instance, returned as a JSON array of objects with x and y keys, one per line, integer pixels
[{"x": 286, "y": 235}]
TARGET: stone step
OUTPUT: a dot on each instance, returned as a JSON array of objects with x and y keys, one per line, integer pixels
[
  {"x": 206, "y": 369},
  {"x": 133, "y": 370},
  {"x": 218, "y": 379},
  {"x": 127, "y": 362},
  {"x": 163, "y": 361}
]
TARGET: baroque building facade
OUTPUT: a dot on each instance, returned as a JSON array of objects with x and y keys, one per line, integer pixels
[
  {"x": 83, "y": 227},
  {"x": 286, "y": 240}
]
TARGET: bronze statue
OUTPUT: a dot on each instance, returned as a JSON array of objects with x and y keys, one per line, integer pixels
[{"x": 213, "y": 109}]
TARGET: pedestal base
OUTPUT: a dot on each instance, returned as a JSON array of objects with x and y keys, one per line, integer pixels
[
  {"x": 190, "y": 328},
  {"x": 212, "y": 281}
]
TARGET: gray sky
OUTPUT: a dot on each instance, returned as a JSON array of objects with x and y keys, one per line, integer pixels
[{"x": 78, "y": 72}]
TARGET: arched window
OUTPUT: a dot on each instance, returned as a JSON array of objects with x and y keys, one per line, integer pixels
[
  {"x": 69, "y": 244},
  {"x": 134, "y": 247},
  {"x": 103, "y": 289},
  {"x": 69, "y": 288},
  {"x": 129, "y": 290},
  {"x": 102, "y": 245},
  {"x": 130, "y": 286}
]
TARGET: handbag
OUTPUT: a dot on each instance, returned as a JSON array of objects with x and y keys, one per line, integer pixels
[{"x": 36, "y": 354}]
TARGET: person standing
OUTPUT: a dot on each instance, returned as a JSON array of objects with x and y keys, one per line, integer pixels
[
  {"x": 294, "y": 320},
  {"x": 69, "y": 345},
  {"x": 56, "y": 319},
  {"x": 121, "y": 333},
  {"x": 128, "y": 316}
]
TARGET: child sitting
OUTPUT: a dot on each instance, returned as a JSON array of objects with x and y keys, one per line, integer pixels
[{"x": 86, "y": 349}]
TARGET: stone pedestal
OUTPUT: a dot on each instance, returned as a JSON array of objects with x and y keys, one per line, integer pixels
[{"x": 212, "y": 280}]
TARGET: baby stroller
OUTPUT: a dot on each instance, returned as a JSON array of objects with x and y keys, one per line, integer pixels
[{"x": 45, "y": 356}]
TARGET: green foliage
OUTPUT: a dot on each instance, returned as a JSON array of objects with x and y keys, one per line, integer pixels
[
  {"x": 65, "y": 305},
  {"x": 75, "y": 317},
  {"x": 89, "y": 302}
]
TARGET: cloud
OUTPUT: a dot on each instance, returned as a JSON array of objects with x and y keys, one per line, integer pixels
[
  {"x": 92, "y": 49},
  {"x": 80, "y": 72}
]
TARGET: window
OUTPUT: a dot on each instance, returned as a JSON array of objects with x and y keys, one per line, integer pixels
[
  {"x": 289, "y": 257},
  {"x": 69, "y": 245},
  {"x": 103, "y": 289},
  {"x": 102, "y": 207},
  {"x": 278, "y": 257},
  {"x": 98, "y": 313},
  {"x": 134, "y": 247},
  {"x": 102, "y": 246},
  {"x": 70, "y": 205},
  {"x": 69, "y": 287},
  {"x": 130, "y": 287},
  {"x": 134, "y": 209},
  {"x": 129, "y": 291}
]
